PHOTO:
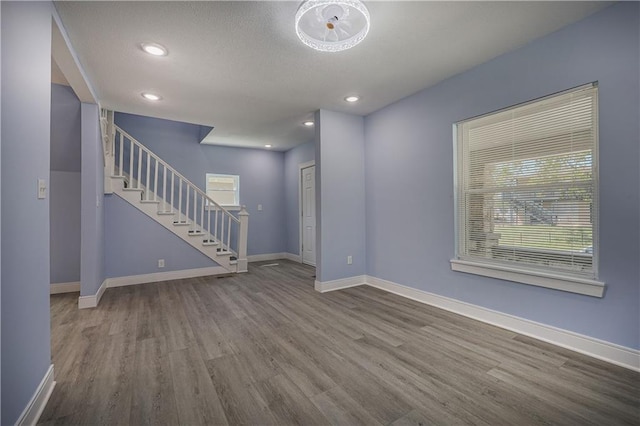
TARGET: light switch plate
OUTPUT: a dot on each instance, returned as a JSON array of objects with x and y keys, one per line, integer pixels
[{"x": 42, "y": 189}]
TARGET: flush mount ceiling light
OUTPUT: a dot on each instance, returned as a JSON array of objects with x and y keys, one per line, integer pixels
[
  {"x": 154, "y": 49},
  {"x": 151, "y": 96},
  {"x": 332, "y": 25},
  {"x": 267, "y": 146},
  {"x": 308, "y": 123},
  {"x": 352, "y": 98}
]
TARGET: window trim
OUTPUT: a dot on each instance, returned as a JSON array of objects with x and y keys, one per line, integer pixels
[
  {"x": 228, "y": 207},
  {"x": 589, "y": 286}
]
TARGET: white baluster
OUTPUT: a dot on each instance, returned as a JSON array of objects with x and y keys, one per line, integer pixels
[
  {"x": 155, "y": 182},
  {"x": 209, "y": 223},
  {"x": 121, "y": 154},
  {"x": 131, "y": 163},
  {"x": 147, "y": 182},
  {"x": 222, "y": 231},
  {"x": 179, "y": 200},
  {"x": 139, "y": 165},
  {"x": 186, "y": 184},
  {"x": 229, "y": 233},
  {"x": 202, "y": 213},
  {"x": 215, "y": 222},
  {"x": 172, "y": 189},
  {"x": 164, "y": 187}
]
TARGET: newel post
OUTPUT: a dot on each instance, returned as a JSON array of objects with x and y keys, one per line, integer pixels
[
  {"x": 108, "y": 140},
  {"x": 243, "y": 216}
]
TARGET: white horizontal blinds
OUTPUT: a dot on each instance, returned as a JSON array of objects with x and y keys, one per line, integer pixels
[
  {"x": 223, "y": 189},
  {"x": 527, "y": 184}
]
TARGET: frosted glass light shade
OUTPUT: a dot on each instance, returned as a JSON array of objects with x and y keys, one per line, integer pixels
[{"x": 332, "y": 25}]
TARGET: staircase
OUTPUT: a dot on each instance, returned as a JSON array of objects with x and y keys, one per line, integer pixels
[{"x": 140, "y": 177}]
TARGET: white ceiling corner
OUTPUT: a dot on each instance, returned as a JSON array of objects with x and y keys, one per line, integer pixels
[{"x": 239, "y": 67}]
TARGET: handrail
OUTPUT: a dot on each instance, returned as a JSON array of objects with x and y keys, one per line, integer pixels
[{"x": 177, "y": 173}]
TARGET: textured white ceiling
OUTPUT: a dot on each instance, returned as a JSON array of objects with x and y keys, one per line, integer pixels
[{"x": 238, "y": 66}]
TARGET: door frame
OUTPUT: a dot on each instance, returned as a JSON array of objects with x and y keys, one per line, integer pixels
[{"x": 301, "y": 167}]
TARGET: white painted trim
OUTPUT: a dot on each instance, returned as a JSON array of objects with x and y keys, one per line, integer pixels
[
  {"x": 325, "y": 286},
  {"x": 92, "y": 300},
  {"x": 301, "y": 167},
  {"x": 293, "y": 257},
  {"x": 70, "y": 287},
  {"x": 605, "y": 351},
  {"x": 165, "y": 276},
  {"x": 265, "y": 256},
  {"x": 541, "y": 279},
  {"x": 32, "y": 412},
  {"x": 274, "y": 256}
]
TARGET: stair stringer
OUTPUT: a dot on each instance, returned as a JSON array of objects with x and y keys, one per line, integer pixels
[{"x": 133, "y": 197}]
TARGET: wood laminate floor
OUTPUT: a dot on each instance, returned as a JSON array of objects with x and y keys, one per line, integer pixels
[{"x": 264, "y": 348}]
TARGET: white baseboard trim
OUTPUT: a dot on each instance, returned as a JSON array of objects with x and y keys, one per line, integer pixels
[
  {"x": 32, "y": 412},
  {"x": 92, "y": 301},
  {"x": 325, "y": 286},
  {"x": 605, "y": 351},
  {"x": 292, "y": 257},
  {"x": 70, "y": 287},
  {"x": 165, "y": 276},
  {"x": 266, "y": 256}
]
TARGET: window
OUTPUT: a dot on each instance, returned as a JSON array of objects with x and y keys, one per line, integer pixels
[
  {"x": 526, "y": 193},
  {"x": 224, "y": 189}
]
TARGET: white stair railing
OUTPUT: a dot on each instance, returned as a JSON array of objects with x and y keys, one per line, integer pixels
[{"x": 175, "y": 195}]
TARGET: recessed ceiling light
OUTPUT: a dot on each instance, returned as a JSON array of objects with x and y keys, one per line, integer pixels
[
  {"x": 267, "y": 146},
  {"x": 154, "y": 49},
  {"x": 151, "y": 96},
  {"x": 308, "y": 123},
  {"x": 352, "y": 98}
]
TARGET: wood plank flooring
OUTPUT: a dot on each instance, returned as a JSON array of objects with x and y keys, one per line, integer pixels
[{"x": 264, "y": 348}]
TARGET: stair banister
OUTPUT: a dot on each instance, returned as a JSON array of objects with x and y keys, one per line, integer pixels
[{"x": 198, "y": 194}]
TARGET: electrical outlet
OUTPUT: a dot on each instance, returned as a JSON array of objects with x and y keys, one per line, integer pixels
[
  {"x": 160, "y": 263},
  {"x": 349, "y": 260},
  {"x": 259, "y": 207}
]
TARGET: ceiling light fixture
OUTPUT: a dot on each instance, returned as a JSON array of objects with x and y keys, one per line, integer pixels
[
  {"x": 332, "y": 25},
  {"x": 308, "y": 123},
  {"x": 267, "y": 146},
  {"x": 151, "y": 96},
  {"x": 154, "y": 49},
  {"x": 352, "y": 98}
]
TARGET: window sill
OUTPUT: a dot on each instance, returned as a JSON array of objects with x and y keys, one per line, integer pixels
[
  {"x": 227, "y": 208},
  {"x": 541, "y": 279}
]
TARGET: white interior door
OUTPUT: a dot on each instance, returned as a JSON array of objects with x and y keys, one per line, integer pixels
[{"x": 308, "y": 214}]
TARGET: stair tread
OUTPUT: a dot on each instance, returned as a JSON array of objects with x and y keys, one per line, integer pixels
[
  {"x": 150, "y": 201},
  {"x": 117, "y": 177},
  {"x": 181, "y": 223},
  {"x": 166, "y": 213},
  {"x": 133, "y": 189}
]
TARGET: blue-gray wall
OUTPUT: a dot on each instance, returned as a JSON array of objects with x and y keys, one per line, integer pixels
[
  {"x": 65, "y": 129},
  {"x": 64, "y": 190},
  {"x": 136, "y": 242},
  {"x": 92, "y": 239},
  {"x": 26, "y": 111},
  {"x": 409, "y": 180},
  {"x": 64, "y": 187},
  {"x": 292, "y": 160},
  {"x": 261, "y": 173},
  {"x": 340, "y": 195}
]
